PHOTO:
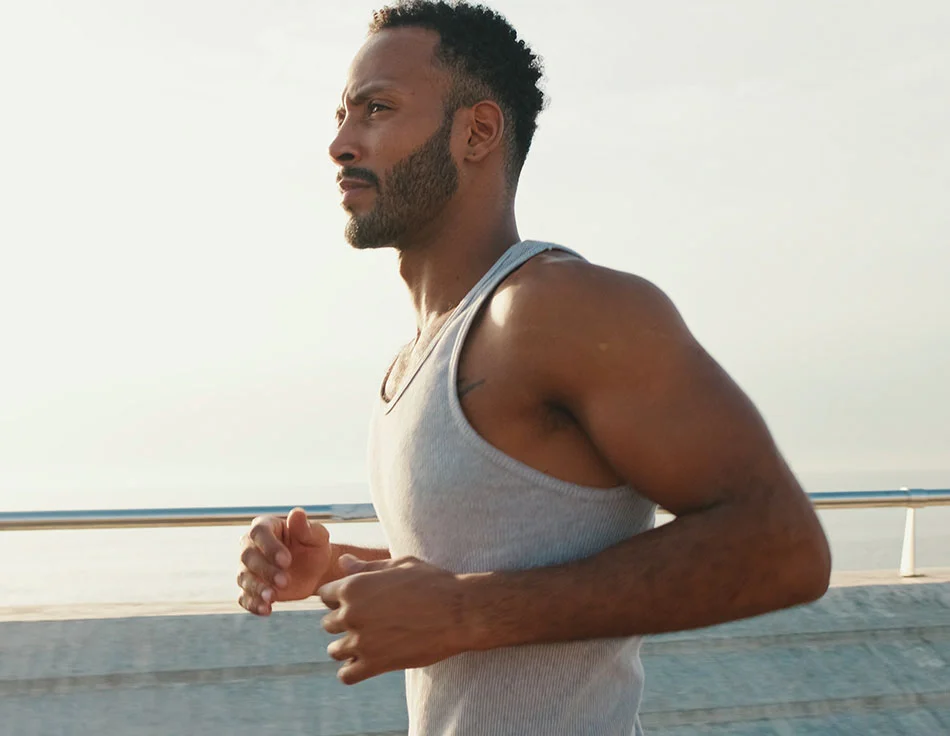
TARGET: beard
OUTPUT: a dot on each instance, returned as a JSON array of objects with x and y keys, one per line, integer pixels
[{"x": 413, "y": 192}]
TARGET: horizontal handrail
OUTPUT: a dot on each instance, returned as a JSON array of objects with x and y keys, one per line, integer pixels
[
  {"x": 177, "y": 517},
  {"x": 364, "y": 512},
  {"x": 905, "y": 498}
]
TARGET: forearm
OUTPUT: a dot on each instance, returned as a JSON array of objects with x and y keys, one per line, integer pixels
[{"x": 706, "y": 568}]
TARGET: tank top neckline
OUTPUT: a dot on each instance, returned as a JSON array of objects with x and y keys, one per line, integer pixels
[{"x": 472, "y": 295}]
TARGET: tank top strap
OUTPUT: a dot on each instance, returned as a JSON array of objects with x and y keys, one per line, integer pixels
[{"x": 511, "y": 259}]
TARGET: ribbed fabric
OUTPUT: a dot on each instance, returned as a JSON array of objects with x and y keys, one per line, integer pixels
[{"x": 446, "y": 496}]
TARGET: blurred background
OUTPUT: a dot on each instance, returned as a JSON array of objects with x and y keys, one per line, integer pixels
[{"x": 183, "y": 324}]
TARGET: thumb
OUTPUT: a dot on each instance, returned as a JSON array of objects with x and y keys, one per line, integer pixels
[
  {"x": 351, "y": 565},
  {"x": 304, "y": 532}
]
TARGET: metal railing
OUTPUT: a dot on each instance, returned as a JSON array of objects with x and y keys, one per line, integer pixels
[
  {"x": 178, "y": 517},
  {"x": 910, "y": 499}
]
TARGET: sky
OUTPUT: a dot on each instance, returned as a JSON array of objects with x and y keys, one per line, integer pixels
[{"x": 183, "y": 323}]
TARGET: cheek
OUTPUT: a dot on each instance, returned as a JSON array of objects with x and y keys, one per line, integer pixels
[{"x": 387, "y": 144}]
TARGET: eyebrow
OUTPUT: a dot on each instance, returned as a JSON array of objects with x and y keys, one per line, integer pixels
[{"x": 365, "y": 92}]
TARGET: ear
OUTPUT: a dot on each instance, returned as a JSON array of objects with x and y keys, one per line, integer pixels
[{"x": 486, "y": 131}]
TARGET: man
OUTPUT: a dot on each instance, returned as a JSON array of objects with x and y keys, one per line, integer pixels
[{"x": 522, "y": 441}]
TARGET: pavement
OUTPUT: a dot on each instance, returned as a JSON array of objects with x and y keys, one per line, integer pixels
[{"x": 871, "y": 657}]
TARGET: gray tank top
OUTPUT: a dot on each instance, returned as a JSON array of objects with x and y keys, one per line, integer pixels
[{"x": 446, "y": 496}]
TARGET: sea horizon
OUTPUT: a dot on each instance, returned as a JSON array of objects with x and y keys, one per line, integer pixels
[{"x": 199, "y": 564}]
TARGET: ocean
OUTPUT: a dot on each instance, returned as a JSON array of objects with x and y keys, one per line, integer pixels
[{"x": 194, "y": 565}]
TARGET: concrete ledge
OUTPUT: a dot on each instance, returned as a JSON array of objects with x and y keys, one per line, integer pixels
[
  {"x": 83, "y": 611},
  {"x": 92, "y": 611},
  {"x": 848, "y": 578}
]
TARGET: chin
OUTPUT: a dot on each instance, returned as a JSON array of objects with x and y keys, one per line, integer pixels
[
  {"x": 368, "y": 246},
  {"x": 366, "y": 232},
  {"x": 358, "y": 241}
]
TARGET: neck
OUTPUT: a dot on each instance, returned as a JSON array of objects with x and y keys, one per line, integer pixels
[{"x": 442, "y": 265}]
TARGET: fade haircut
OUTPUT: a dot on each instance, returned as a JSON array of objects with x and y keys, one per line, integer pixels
[{"x": 486, "y": 60}]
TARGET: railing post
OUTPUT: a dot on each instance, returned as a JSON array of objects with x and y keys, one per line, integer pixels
[{"x": 909, "y": 550}]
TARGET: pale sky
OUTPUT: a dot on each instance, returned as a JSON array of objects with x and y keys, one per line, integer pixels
[{"x": 182, "y": 322}]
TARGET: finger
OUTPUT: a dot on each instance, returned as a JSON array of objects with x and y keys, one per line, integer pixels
[
  {"x": 333, "y": 623},
  {"x": 308, "y": 533},
  {"x": 255, "y": 588},
  {"x": 255, "y": 561},
  {"x": 267, "y": 533},
  {"x": 343, "y": 649},
  {"x": 254, "y": 605},
  {"x": 330, "y": 594},
  {"x": 356, "y": 670}
]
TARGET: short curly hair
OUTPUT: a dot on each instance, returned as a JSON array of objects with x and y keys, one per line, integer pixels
[{"x": 487, "y": 60}]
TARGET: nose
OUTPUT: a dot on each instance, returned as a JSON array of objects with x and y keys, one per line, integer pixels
[{"x": 344, "y": 148}]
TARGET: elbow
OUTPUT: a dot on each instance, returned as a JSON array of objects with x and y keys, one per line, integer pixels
[
  {"x": 820, "y": 577},
  {"x": 809, "y": 570},
  {"x": 798, "y": 552}
]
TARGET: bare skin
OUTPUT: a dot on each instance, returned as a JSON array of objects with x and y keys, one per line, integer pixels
[
  {"x": 587, "y": 374},
  {"x": 289, "y": 559}
]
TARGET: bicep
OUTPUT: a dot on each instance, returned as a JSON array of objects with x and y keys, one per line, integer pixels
[{"x": 664, "y": 414}]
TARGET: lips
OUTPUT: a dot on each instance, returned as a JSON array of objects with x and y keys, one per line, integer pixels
[
  {"x": 348, "y": 185},
  {"x": 353, "y": 189}
]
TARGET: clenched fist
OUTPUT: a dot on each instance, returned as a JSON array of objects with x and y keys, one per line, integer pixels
[
  {"x": 394, "y": 614},
  {"x": 282, "y": 560}
]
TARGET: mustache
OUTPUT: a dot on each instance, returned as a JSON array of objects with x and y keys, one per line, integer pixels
[{"x": 355, "y": 172}]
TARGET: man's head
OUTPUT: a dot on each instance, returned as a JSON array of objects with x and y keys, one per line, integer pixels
[{"x": 440, "y": 95}]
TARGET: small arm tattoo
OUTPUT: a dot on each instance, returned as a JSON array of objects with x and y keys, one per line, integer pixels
[{"x": 465, "y": 387}]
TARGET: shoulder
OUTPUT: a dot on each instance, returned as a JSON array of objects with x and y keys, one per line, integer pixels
[
  {"x": 563, "y": 326},
  {"x": 557, "y": 295}
]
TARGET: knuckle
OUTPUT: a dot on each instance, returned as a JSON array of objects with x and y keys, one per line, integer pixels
[
  {"x": 355, "y": 585},
  {"x": 248, "y": 582},
  {"x": 345, "y": 587},
  {"x": 260, "y": 527},
  {"x": 347, "y": 618}
]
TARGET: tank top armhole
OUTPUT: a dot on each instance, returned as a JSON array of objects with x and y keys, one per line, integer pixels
[{"x": 465, "y": 428}]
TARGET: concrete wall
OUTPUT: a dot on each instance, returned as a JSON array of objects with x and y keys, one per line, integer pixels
[{"x": 864, "y": 660}]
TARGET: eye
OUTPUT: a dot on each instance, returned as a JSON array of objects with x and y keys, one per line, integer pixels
[{"x": 374, "y": 107}]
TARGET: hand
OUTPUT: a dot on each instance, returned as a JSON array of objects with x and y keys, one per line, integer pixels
[
  {"x": 394, "y": 614},
  {"x": 282, "y": 560}
]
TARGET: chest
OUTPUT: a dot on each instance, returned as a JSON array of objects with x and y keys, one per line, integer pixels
[
  {"x": 454, "y": 460},
  {"x": 412, "y": 356},
  {"x": 492, "y": 393}
]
